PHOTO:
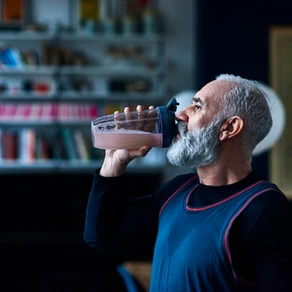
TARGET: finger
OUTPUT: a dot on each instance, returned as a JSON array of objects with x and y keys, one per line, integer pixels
[
  {"x": 127, "y": 110},
  {"x": 117, "y": 118},
  {"x": 141, "y": 114},
  {"x": 145, "y": 149},
  {"x": 139, "y": 108},
  {"x": 128, "y": 117},
  {"x": 152, "y": 115},
  {"x": 140, "y": 152}
]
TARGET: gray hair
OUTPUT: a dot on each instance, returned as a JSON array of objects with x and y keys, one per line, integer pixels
[{"x": 248, "y": 101}]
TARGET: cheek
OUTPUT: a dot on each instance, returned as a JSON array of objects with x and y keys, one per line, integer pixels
[{"x": 197, "y": 122}]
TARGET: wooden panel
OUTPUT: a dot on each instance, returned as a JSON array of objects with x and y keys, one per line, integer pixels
[
  {"x": 141, "y": 271},
  {"x": 281, "y": 82}
]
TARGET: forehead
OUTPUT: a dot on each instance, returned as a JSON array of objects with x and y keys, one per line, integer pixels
[{"x": 212, "y": 92}]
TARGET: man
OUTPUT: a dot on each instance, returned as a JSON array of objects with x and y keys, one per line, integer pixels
[{"x": 219, "y": 229}]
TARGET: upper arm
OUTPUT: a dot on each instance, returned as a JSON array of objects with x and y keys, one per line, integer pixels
[{"x": 272, "y": 245}]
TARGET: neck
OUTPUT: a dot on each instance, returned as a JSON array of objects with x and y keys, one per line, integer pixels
[{"x": 222, "y": 173}]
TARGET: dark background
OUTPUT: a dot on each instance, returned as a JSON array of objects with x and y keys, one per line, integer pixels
[
  {"x": 233, "y": 37},
  {"x": 41, "y": 234},
  {"x": 42, "y": 215}
]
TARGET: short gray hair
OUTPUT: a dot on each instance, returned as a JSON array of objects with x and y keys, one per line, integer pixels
[{"x": 248, "y": 101}]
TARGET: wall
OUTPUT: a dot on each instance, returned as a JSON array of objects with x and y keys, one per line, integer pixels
[
  {"x": 180, "y": 27},
  {"x": 180, "y": 19},
  {"x": 233, "y": 38}
]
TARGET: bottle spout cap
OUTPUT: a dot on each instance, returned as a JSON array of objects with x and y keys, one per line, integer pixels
[
  {"x": 172, "y": 105},
  {"x": 168, "y": 125}
]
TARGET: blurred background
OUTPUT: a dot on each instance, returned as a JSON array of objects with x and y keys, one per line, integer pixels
[{"x": 63, "y": 63}]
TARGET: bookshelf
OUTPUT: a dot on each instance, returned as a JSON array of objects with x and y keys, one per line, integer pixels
[{"x": 53, "y": 84}]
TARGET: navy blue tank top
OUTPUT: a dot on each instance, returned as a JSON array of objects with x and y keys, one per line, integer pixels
[{"x": 192, "y": 249}]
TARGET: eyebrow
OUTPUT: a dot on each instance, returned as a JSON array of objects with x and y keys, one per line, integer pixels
[{"x": 197, "y": 99}]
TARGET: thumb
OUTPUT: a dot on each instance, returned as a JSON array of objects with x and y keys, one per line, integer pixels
[{"x": 141, "y": 152}]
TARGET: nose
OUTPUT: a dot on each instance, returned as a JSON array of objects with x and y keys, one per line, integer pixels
[{"x": 182, "y": 115}]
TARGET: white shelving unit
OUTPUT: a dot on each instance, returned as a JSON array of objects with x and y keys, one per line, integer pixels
[{"x": 99, "y": 71}]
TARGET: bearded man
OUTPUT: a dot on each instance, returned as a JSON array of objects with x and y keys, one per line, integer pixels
[{"x": 221, "y": 228}]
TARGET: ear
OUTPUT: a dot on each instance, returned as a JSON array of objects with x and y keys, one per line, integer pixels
[{"x": 232, "y": 127}]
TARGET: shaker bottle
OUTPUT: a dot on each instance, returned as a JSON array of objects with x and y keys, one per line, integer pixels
[{"x": 154, "y": 127}]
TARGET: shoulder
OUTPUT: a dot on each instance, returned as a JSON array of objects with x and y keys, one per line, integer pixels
[
  {"x": 268, "y": 221},
  {"x": 270, "y": 199},
  {"x": 271, "y": 207},
  {"x": 267, "y": 207}
]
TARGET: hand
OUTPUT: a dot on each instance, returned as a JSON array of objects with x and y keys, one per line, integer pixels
[
  {"x": 141, "y": 120},
  {"x": 116, "y": 161}
]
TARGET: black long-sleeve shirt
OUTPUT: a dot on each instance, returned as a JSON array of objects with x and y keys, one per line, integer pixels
[{"x": 260, "y": 238}]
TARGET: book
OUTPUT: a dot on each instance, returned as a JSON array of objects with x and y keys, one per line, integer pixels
[
  {"x": 13, "y": 11},
  {"x": 68, "y": 141},
  {"x": 56, "y": 146},
  {"x": 10, "y": 144},
  {"x": 42, "y": 150},
  {"x": 16, "y": 56},
  {"x": 81, "y": 145},
  {"x": 27, "y": 145},
  {"x": 1, "y": 145},
  {"x": 89, "y": 10}
]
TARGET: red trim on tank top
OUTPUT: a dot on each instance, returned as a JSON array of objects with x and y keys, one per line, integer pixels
[
  {"x": 187, "y": 182},
  {"x": 218, "y": 203}
]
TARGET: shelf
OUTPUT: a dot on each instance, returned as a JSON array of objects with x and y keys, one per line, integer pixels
[
  {"x": 107, "y": 96},
  {"x": 69, "y": 167},
  {"x": 28, "y": 70},
  {"x": 27, "y": 97},
  {"x": 111, "y": 70},
  {"x": 48, "y": 166},
  {"x": 77, "y": 37},
  {"x": 85, "y": 97},
  {"x": 40, "y": 123},
  {"x": 86, "y": 70},
  {"x": 121, "y": 39},
  {"x": 119, "y": 75},
  {"x": 26, "y": 36}
]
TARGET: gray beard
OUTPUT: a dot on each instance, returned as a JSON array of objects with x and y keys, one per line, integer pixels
[{"x": 195, "y": 148}]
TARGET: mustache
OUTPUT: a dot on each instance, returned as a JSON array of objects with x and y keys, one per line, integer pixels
[{"x": 182, "y": 127}]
